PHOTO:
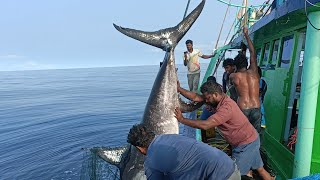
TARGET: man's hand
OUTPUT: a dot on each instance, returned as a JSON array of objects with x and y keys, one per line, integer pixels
[
  {"x": 178, "y": 86},
  {"x": 185, "y": 60},
  {"x": 186, "y": 56},
  {"x": 178, "y": 114},
  {"x": 245, "y": 31}
]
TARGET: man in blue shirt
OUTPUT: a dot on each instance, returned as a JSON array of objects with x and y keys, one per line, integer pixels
[{"x": 171, "y": 156}]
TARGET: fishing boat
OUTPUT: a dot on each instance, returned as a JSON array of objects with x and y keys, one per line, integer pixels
[{"x": 286, "y": 36}]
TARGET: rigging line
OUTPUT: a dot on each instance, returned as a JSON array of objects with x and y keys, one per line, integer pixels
[
  {"x": 265, "y": 13},
  {"x": 185, "y": 12},
  {"x": 229, "y": 31},
  {"x": 312, "y": 4},
  {"x": 267, "y": 3},
  {"x": 246, "y": 17},
  {"x": 224, "y": 19},
  {"x": 305, "y": 9},
  {"x": 240, "y": 6},
  {"x": 221, "y": 57}
]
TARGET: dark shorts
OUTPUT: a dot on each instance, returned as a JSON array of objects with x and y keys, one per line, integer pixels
[
  {"x": 247, "y": 156},
  {"x": 254, "y": 116}
]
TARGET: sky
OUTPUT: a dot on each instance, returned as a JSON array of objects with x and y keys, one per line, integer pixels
[{"x": 62, "y": 34}]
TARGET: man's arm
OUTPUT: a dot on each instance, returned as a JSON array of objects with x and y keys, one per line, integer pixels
[
  {"x": 224, "y": 83},
  {"x": 253, "y": 59},
  {"x": 207, "y": 124},
  {"x": 185, "y": 59},
  {"x": 233, "y": 79},
  {"x": 206, "y": 56},
  {"x": 189, "y": 95}
]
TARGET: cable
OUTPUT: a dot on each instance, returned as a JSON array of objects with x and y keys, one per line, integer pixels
[
  {"x": 185, "y": 12},
  {"x": 312, "y": 4},
  {"x": 305, "y": 9}
]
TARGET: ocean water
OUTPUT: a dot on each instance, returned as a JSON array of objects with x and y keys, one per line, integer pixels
[{"x": 47, "y": 116}]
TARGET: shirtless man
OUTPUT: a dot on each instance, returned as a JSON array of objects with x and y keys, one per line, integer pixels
[{"x": 246, "y": 81}]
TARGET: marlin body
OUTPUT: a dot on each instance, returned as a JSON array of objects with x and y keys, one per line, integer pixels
[{"x": 163, "y": 99}]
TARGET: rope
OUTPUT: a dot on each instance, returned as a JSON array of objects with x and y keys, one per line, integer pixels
[
  {"x": 246, "y": 15},
  {"x": 185, "y": 12},
  {"x": 312, "y": 4},
  {"x": 293, "y": 139},
  {"x": 305, "y": 9},
  {"x": 240, "y": 6},
  {"x": 220, "y": 59},
  {"x": 224, "y": 19},
  {"x": 225, "y": 42}
]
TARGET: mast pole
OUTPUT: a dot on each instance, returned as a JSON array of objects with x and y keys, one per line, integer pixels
[{"x": 309, "y": 99}]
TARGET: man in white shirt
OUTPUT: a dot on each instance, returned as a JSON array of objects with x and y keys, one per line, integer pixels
[{"x": 191, "y": 60}]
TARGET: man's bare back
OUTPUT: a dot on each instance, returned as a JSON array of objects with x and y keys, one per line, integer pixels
[
  {"x": 246, "y": 82},
  {"x": 247, "y": 85}
]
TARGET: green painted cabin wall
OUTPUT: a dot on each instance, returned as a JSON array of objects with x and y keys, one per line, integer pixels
[
  {"x": 275, "y": 101},
  {"x": 277, "y": 98},
  {"x": 280, "y": 158},
  {"x": 278, "y": 94},
  {"x": 315, "y": 162}
]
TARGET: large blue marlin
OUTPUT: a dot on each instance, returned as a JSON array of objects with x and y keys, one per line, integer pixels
[{"x": 159, "y": 111}]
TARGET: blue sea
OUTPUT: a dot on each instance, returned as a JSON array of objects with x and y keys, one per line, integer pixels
[{"x": 48, "y": 116}]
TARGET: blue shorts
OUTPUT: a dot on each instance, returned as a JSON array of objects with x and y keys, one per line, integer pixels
[{"x": 247, "y": 156}]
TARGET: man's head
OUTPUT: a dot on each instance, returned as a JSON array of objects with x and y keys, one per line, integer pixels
[
  {"x": 259, "y": 72},
  {"x": 140, "y": 137},
  {"x": 212, "y": 93},
  {"x": 241, "y": 61},
  {"x": 228, "y": 65},
  {"x": 212, "y": 78},
  {"x": 189, "y": 45}
]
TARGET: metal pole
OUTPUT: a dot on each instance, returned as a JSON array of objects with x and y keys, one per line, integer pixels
[{"x": 308, "y": 98}]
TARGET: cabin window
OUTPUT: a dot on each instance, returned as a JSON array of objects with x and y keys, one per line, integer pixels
[
  {"x": 258, "y": 51},
  {"x": 290, "y": 133},
  {"x": 287, "y": 51},
  {"x": 275, "y": 51},
  {"x": 266, "y": 54},
  {"x": 302, "y": 52}
]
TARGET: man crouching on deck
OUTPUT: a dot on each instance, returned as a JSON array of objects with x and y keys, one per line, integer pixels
[
  {"x": 172, "y": 156},
  {"x": 233, "y": 124}
]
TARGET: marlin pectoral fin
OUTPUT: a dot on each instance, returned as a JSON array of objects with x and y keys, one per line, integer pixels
[
  {"x": 113, "y": 155},
  {"x": 189, "y": 107},
  {"x": 165, "y": 38}
]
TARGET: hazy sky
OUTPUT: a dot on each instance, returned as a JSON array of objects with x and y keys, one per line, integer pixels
[{"x": 54, "y": 34}]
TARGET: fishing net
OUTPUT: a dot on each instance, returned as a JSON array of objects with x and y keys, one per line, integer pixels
[{"x": 94, "y": 168}]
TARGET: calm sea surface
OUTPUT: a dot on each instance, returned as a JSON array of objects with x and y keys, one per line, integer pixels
[{"x": 47, "y": 116}]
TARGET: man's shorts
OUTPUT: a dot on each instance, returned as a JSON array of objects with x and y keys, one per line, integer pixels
[
  {"x": 254, "y": 116},
  {"x": 247, "y": 156}
]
